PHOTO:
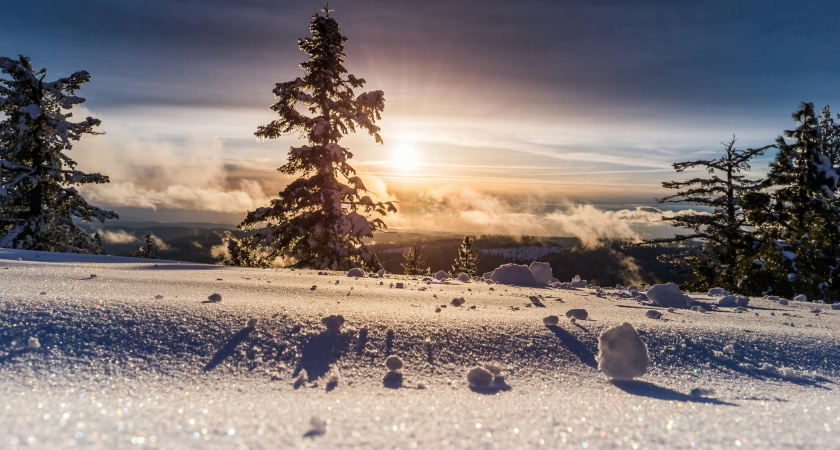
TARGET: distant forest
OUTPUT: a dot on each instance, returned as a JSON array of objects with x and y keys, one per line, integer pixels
[{"x": 606, "y": 265}]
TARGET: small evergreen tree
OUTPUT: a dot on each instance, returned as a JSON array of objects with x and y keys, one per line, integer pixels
[
  {"x": 413, "y": 261},
  {"x": 243, "y": 253},
  {"x": 147, "y": 250},
  {"x": 98, "y": 247},
  {"x": 38, "y": 200},
  {"x": 830, "y": 137},
  {"x": 467, "y": 260},
  {"x": 723, "y": 231},
  {"x": 794, "y": 215},
  {"x": 321, "y": 218}
]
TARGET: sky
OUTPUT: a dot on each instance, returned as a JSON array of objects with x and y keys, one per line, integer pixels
[{"x": 527, "y": 117}]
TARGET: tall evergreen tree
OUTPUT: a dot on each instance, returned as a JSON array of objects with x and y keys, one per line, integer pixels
[
  {"x": 723, "y": 230},
  {"x": 793, "y": 215},
  {"x": 467, "y": 260},
  {"x": 38, "y": 198},
  {"x": 413, "y": 262},
  {"x": 148, "y": 249},
  {"x": 321, "y": 218}
]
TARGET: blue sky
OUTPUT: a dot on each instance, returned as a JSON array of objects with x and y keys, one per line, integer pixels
[{"x": 528, "y": 106}]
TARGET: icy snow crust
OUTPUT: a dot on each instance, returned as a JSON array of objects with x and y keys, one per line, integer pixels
[{"x": 116, "y": 366}]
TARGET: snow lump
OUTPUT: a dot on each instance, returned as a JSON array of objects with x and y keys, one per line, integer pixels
[
  {"x": 621, "y": 353},
  {"x": 514, "y": 274},
  {"x": 333, "y": 323},
  {"x": 668, "y": 296},
  {"x": 541, "y": 272},
  {"x": 357, "y": 272}
]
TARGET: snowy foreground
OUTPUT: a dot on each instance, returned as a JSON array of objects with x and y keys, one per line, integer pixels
[{"x": 110, "y": 352}]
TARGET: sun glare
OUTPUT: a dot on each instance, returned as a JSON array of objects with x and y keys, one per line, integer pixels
[{"x": 404, "y": 157}]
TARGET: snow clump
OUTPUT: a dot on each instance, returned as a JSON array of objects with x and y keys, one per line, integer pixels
[
  {"x": 463, "y": 278},
  {"x": 356, "y": 272},
  {"x": 835, "y": 306},
  {"x": 480, "y": 378},
  {"x": 551, "y": 321},
  {"x": 441, "y": 275},
  {"x": 800, "y": 298},
  {"x": 33, "y": 343},
  {"x": 621, "y": 353},
  {"x": 730, "y": 349},
  {"x": 214, "y": 298},
  {"x": 668, "y": 296},
  {"x": 783, "y": 301},
  {"x": 742, "y": 301},
  {"x": 536, "y": 301},
  {"x": 333, "y": 323},
  {"x": 542, "y": 272},
  {"x": 513, "y": 274},
  {"x": 577, "y": 313},
  {"x": 456, "y": 302},
  {"x": 653, "y": 314},
  {"x": 702, "y": 392},
  {"x": 394, "y": 363},
  {"x": 252, "y": 322},
  {"x": 728, "y": 301},
  {"x": 381, "y": 273},
  {"x": 718, "y": 291}
]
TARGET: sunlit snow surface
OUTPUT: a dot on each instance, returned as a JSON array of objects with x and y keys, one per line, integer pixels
[{"x": 138, "y": 355}]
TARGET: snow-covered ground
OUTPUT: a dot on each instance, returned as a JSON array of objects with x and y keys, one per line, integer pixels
[{"x": 138, "y": 354}]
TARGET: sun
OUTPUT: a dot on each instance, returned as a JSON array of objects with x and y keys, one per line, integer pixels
[{"x": 405, "y": 157}]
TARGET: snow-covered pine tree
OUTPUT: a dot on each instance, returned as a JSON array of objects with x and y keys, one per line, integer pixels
[
  {"x": 242, "y": 252},
  {"x": 98, "y": 247},
  {"x": 413, "y": 261},
  {"x": 794, "y": 217},
  {"x": 321, "y": 218},
  {"x": 830, "y": 136},
  {"x": 723, "y": 230},
  {"x": 38, "y": 200},
  {"x": 467, "y": 259},
  {"x": 148, "y": 249}
]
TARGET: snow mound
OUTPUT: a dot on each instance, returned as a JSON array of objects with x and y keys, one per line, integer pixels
[
  {"x": 743, "y": 301},
  {"x": 783, "y": 301},
  {"x": 463, "y": 278},
  {"x": 621, "y": 353},
  {"x": 800, "y": 298},
  {"x": 456, "y": 302},
  {"x": 381, "y": 273},
  {"x": 718, "y": 291},
  {"x": 357, "y": 272},
  {"x": 214, "y": 298},
  {"x": 668, "y": 296},
  {"x": 551, "y": 321},
  {"x": 441, "y": 275},
  {"x": 541, "y": 271},
  {"x": 835, "y": 306},
  {"x": 514, "y": 274}
]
